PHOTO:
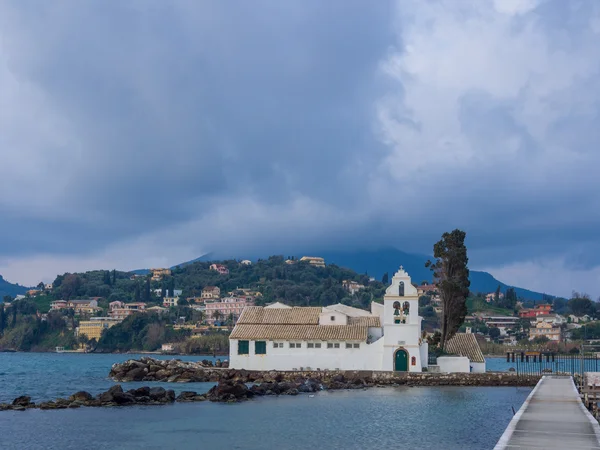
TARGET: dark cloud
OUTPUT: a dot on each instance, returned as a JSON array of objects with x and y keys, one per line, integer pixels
[{"x": 160, "y": 126}]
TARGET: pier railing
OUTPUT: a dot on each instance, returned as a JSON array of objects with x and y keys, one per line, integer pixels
[{"x": 552, "y": 363}]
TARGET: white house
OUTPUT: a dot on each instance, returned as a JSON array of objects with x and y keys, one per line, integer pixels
[{"x": 279, "y": 337}]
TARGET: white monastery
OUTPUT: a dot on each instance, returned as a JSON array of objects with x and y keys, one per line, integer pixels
[{"x": 339, "y": 337}]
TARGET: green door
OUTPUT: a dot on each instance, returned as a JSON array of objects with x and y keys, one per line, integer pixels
[{"x": 401, "y": 361}]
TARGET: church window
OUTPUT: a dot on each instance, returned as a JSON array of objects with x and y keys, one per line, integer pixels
[
  {"x": 330, "y": 345},
  {"x": 356, "y": 345},
  {"x": 406, "y": 307},
  {"x": 348, "y": 345},
  {"x": 260, "y": 348},
  {"x": 310, "y": 345},
  {"x": 295, "y": 345},
  {"x": 243, "y": 347},
  {"x": 277, "y": 345},
  {"x": 332, "y": 318},
  {"x": 317, "y": 345},
  {"x": 336, "y": 345},
  {"x": 401, "y": 289},
  {"x": 413, "y": 361}
]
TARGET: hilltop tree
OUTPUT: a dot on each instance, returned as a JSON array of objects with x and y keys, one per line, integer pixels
[
  {"x": 70, "y": 285},
  {"x": 114, "y": 276},
  {"x": 385, "y": 279},
  {"x": 497, "y": 295},
  {"x": 451, "y": 274},
  {"x": 581, "y": 304}
]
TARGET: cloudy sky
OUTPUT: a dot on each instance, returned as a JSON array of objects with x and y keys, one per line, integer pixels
[{"x": 145, "y": 133}]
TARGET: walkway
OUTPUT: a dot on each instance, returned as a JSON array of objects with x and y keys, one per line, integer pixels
[{"x": 552, "y": 417}]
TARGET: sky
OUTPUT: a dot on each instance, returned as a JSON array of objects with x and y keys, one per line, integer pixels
[{"x": 146, "y": 133}]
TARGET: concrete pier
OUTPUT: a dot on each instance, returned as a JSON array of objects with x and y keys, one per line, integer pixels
[{"x": 552, "y": 417}]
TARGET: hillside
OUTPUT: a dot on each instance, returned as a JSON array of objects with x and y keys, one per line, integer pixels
[
  {"x": 10, "y": 289},
  {"x": 377, "y": 262}
]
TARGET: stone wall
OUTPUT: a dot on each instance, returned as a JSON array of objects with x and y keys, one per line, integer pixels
[{"x": 149, "y": 369}]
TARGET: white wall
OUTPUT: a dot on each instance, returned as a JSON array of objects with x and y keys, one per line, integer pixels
[
  {"x": 367, "y": 357},
  {"x": 454, "y": 364},
  {"x": 478, "y": 367}
]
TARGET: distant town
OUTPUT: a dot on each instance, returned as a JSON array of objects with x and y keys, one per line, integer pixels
[{"x": 184, "y": 305}]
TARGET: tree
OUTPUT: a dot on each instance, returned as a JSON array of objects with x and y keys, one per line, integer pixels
[
  {"x": 385, "y": 279},
  {"x": 70, "y": 285},
  {"x": 83, "y": 340},
  {"x": 497, "y": 295},
  {"x": 451, "y": 274},
  {"x": 581, "y": 304},
  {"x": 494, "y": 333},
  {"x": 171, "y": 287},
  {"x": 2, "y": 320},
  {"x": 136, "y": 292},
  {"x": 41, "y": 285},
  {"x": 510, "y": 299},
  {"x": 13, "y": 309},
  {"x": 114, "y": 277},
  {"x": 217, "y": 315},
  {"x": 147, "y": 290},
  {"x": 7, "y": 299},
  {"x": 182, "y": 302}
]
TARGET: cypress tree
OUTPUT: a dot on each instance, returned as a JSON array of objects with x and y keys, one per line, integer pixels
[{"x": 451, "y": 274}]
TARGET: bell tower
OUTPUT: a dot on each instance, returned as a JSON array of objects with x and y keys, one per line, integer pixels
[
  {"x": 401, "y": 301},
  {"x": 403, "y": 347}
]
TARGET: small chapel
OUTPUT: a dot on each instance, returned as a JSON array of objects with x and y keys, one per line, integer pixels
[{"x": 335, "y": 337}]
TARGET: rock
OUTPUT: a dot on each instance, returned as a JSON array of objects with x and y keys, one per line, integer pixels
[
  {"x": 190, "y": 396},
  {"x": 81, "y": 396},
  {"x": 157, "y": 393},
  {"x": 136, "y": 374},
  {"x": 48, "y": 405},
  {"x": 227, "y": 391},
  {"x": 109, "y": 396},
  {"x": 23, "y": 400},
  {"x": 123, "y": 398},
  {"x": 170, "y": 395},
  {"x": 173, "y": 378},
  {"x": 140, "y": 392}
]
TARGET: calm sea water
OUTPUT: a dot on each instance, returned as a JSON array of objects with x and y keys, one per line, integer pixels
[{"x": 440, "y": 417}]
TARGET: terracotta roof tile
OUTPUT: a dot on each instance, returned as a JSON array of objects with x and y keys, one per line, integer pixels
[
  {"x": 465, "y": 344},
  {"x": 300, "y": 332},
  {"x": 280, "y": 316},
  {"x": 370, "y": 321}
]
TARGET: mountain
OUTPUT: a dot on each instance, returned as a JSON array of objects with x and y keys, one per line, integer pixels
[
  {"x": 378, "y": 261},
  {"x": 7, "y": 288}
]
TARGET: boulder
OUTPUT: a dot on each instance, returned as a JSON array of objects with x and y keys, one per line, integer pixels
[
  {"x": 136, "y": 374},
  {"x": 109, "y": 396},
  {"x": 227, "y": 391},
  {"x": 23, "y": 400},
  {"x": 140, "y": 392},
  {"x": 81, "y": 396},
  {"x": 157, "y": 393}
]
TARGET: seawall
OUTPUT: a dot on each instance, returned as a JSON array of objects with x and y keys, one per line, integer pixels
[{"x": 149, "y": 369}]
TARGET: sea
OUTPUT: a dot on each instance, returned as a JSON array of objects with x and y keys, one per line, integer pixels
[{"x": 376, "y": 418}]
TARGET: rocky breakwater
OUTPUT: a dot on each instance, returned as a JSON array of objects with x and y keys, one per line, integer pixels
[
  {"x": 115, "y": 396},
  {"x": 175, "y": 370}
]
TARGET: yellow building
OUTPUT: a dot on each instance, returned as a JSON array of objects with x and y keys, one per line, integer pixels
[
  {"x": 158, "y": 274},
  {"x": 316, "y": 261},
  {"x": 93, "y": 328}
]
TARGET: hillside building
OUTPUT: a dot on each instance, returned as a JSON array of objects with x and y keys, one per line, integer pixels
[{"x": 316, "y": 261}]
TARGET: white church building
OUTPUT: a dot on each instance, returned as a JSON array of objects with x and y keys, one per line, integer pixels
[{"x": 387, "y": 338}]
